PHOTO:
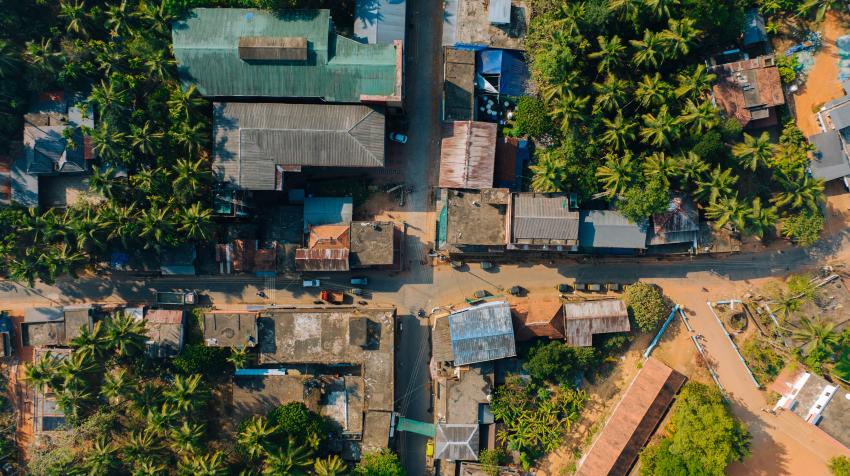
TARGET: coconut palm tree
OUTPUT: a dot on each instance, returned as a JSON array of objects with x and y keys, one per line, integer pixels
[
  {"x": 184, "y": 104},
  {"x": 100, "y": 180},
  {"x": 649, "y": 50},
  {"x": 254, "y": 439},
  {"x": 719, "y": 182},
  {"x": 661, "y": 8},
  {"x": 117, "y": 386},
  {"x": 86, "y": 228},
  {"x": 9, "y": 58},
  {"x": 329, "y": 466},
  {"x": 611, "y": 95},
  {"x": 159, "y": 15},
  {"x": 91, "y": 342},
  {"x": 691, "y": 168},
  {"x": 610, "y": 54},
  {"x": 126, "y": 334},
  {"x": 549, "y": 174},
  {"x": 728, "y": 210},
  {"x": 195, "y": 223},
  {"x": 75, "y": 16},
  {"x": 110, "y": 100},
  {"x": 117, "y": 17},
  {"x": 187, "y": 437},
  {"x": 159, "y": 420},
  {"x": 238, "y": 356},
  {"x": 753, "y": 151},
  {"x": 699, "y": 117},
  {"x": 210, "y": 464},
  {"x": 626, "y": 9},
  {"x": 785, "y": 304},
  {"x": 146, "y": 396},
  {"x": 678, "y": 37},
  {"x": 652, "y": 91},
  {"x": 570, "y": 109},
  {"x": 145, "y": 139},
  {"x": 800, "y": 192},
  {"x": 193, "y": 137},
  {"x": 108, "y": 143},
  {"x": 816, "y": 334},
  {"x": 661, "y": 165},
  {"x": 191, "y": 177},
  {"x": 618, "y": 173},
  {"x": 41, "y": 373},
  {"x": 159, "y": 63},
  {"x": 101, "y": 459},
  {"x": 659, "y": 129},
  {"x": 759, "y": 219},
  {"x": 72, "y": 401},
  {"x": 156, "y": 227},
  {"x": 289, "y": 459},
  {"x": 140, "y": 444},
  {"x": 120, "y": 221},
  {"x": 187, "y": 394},
  {"x": 43, "y": 56},
  {"x": 618, "y": 133},
  {"x": 695, "y": 84},
  {"x": 149, "y": 468}
]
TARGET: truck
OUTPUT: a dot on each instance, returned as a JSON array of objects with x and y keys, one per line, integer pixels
[
  {"x": 176, "y": 298},
  {"x": 333, "y": 297}
]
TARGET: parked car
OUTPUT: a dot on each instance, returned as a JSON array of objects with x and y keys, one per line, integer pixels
[
  {"x": 486, "y": 265},
  {"x": 481, "y": 294},
  {"x": 356, "y": 291},
  {"x": 516, "y": 290},
  {"x": 595, "y": 287},
  {"x": 581, "y": 287},
  {"x": 564, "y": 288},
  {"x": 397, "y": 137},
  {"x": 311, "y": 283},
  {"x": 457, "y": 264},
  {"x": 360, "y": 281},
  {"x": 615, "y": 287}
]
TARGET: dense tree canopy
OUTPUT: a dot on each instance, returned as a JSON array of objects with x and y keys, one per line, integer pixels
[
  {"x": 647, "y": 306},
  {"x": 558, "y": 363}
]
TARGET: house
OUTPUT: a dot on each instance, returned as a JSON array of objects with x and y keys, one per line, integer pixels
[
  {"x": 247, "y": 256},
  {"x": 583, "y": 320},
  {"x": 538, "y": 317},
  {"x": 829, "y": 160},
  {"x": 6, "y": 326},
  {"x": 380, "y": 21},
  {"x": 230, "y": 329},
  {"x": 467, "y": 155},
  {"x": 166, "y": 328},
  {"x": 512, "y": 156},
  {"x": 47, "y": 415},
  {"x": 817, "y": 402},
  {"x": 55, "y": 144},
  {"x": 327, "y": 211},
  {"x": 256, "y": 144},
  {"x": 542, "y": 221},
  {"x": 479, "y": 334},
  {"x": 53, "y": 326},
  {"x": 749, "y": 90},
  {"x": 678, "y": 224},
  {"x": 328, "y": 248},
  {"x": 610, "y": 232},
  {"x": 458, "y": 84},
  {"x": 503, "y": 72},
  {"x": 755, "y": 32},
  {"x": 372, "y": 244},
  {"x": 474, "y": 221},
  {"x": 616, "y": 448},
  {"x": 238, "y": 52},
  {"x": 456, "y": 442}
]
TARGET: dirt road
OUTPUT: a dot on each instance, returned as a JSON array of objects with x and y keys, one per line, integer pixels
[{"x": 822, "y": 83}]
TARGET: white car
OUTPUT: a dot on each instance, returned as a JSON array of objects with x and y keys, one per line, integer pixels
[
  {"x": 312, "y": 283},
  {"x": 396, "y": 137}
]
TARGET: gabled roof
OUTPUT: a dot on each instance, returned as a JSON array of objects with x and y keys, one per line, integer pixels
[
  {"x": 250, "y": 139},
  {"x": 337, "y": 69},
  {"x": 746, "y": 90},
  {"x": 829, "y": 162},
  {"x": 678, "y": 224},
  {"x": 584, "y": 319},
  {"x": 838, "y": 113},
  {"x": 380, "y": 21},
  {"x": 321, "y": 259},
  {"x": 456, "y": 442},
  {"x": 468, "y": 155},
  {"x": 610, "y": 229},
  {"x": 482, "y": 333},
  {"x": 544, "y": 219}
]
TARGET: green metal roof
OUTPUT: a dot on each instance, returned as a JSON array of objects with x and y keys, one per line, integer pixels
[{"x": 337, "y": 69}]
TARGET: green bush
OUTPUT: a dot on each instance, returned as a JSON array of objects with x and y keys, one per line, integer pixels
[
  {"x": 647, "y": 306},
  {"x": 380, "y": 463},
  {"x": 762, "y": 360},
  {"x": 840, "y": 466},
  {"x": 531, "y": 117},
  {"x": 295, "y": 419},
  {"x": 200, "y": 359},
  {"x": 639, "y": 203},
  {"x": 787, "y": 68},
  {"x": 559, "y": 363},
  {"x": 491, "y": 459},
  {"x": 609, "y": 344},
  {"x": 804, "y": 228}
]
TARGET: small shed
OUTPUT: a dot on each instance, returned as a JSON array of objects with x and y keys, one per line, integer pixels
[
  {"x": 584, "y": 319},
  {"x": 678, "y": 224},
  {"x": 499, "y": 12},
  {"x": 754, "y": 28},
  {"x": 230, "y": 329},
  {"x": 380, "y": 21},
  {"x": 456, "y": 442},
  {"x": 327, "y": 211},
  {"x": 505, "y": 70},
  {"x": 482, "y": 333},
  {"x": 165, "y": 332},
  {"x": 468, "y": 155},
  {"x": 321, "y": 259},
  {"x": 609, "y": 230}
]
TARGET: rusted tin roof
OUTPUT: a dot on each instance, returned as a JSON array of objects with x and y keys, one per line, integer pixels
[{"x": 468, "y": 155}]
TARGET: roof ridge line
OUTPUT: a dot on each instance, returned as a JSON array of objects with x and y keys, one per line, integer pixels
[{"x": 360, "y": 144}]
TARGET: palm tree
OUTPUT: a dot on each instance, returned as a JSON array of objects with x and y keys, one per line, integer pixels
[
  {"x": 126, "y": 334},
  {"x": 87, "y": 229},
  {"x": 109, "y": 99},
  {"x": 661, "y": 165},
  {"x": 700, "y": 117},
  {"x": 759, "y": 219},
  {"x": 569, "y": 109},
  {"x": 288, "y": 460},
  {"x": 159, "y": 15},
  {"x": 187, "y": 394},
  {"x": 210, "y": 464},
  {"x": 72, "y": 400},
  {"x": 156, "y": 226},
  {"x": 100, "y": 181},
  {"x": 91, "y": 342},
  {"x": 627, "y": 9},
  {"x": 187, "y": 437},
  {"x": 549, "y": 174},
  {"x": 661, "y": 8},
  {"x": 238, "y": 356},
  {"x": 610, "y": 54},
  {"x": 679, "y": 36},
  {"x": 42, "y": 56},
  {"x": 108, "y": 143},
  {"x": 160, "y": 420},
  {"x": 695, "y": 84},
  {"x": 193, "y": 137},
  {"x": 330, "y": 466},
  {"x": 117, "y": 17},
  {"x": 816, "y": 334},
  {"x": 254, "y": 439},
  {"x": 196, "y": 223},
  {"x": 101, "y": 459},
  {"x": 728, "y": 210},
  {"x": 75, "y": 15},
  {"x": 41, "y": 373},
  {"x": 691, "y": 168},
  {"x": 799, "y": 193},
  {"x": 618, "y": 173},
  {"x": 184, "y": 104},
  {"x": 117, "y": 385},
  {"x": 145, "y": 397},
  {"x": 190, "y": 177},
  {"x": 822, "y": 6},
  {"x": 719, "y": 182},
  {"x": 754, "y": 151},
  {"x": 785, "y": 304},
  {"x": 618, "y": 132},
  {"x": 648, "y": 50},
  {"x": 144, "y": 139},
  {"x": 611, "y": 95},
  {"x": 159, "y": 63},
  {"x": 140, "y": 444},
  {"x": 9, "y": 58},
  {"x": 652, "y": 91},
  {"x": 149, "y": 468},
  {"x": 659, "y": 129}
]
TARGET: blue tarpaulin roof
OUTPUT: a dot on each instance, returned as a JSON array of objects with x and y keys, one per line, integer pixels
[{"x": 509, "y": 65}]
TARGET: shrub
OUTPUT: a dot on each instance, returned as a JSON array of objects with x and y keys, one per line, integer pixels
[
  {"x": 491, "y": 459},
  {"x": 198, "y": 358},
  {"x": 762, "y": 359},
  {"x": 531, "y": 117},
  {"x": 647, "y": 306},
  {"x": 840, "y": 466},
  {"x": 710, "y": 147},
  {"x": 559, "y": 363},
  {"x": 787, "y": 68},
  {"x": 380, "y": 463},
  {"x": 609, "y": 344},
  {"x": 804, "y": 228},
  {"x": 639, "y": 203},
  {"x": 295, "y": 419}
]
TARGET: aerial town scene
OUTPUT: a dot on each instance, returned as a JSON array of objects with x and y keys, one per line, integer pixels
[{"x": 425, "y": 237}]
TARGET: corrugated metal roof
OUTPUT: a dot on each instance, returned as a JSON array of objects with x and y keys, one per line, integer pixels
[
  {"x": 829, "y": 161},
  {"x": 482, "y": 333},
  {"x": 634, "y": 420},
  {"x": 754, "y": 29},
  {"x": 380, "y": 21},
  {"x": 321, "y": 259},
  {"x": 678, "y": 224},
  {"x": 840, "y": 116},
  {"x": 543, "y": 218},
  {"x": 251, "y": 138},
  {"x": 584, "y": 319},
  {"x": 468, "y": 155},
  {"x": 499, "y": 12},
  {"x": 327, "y": 211},
  {"x": 456, "y": 442},
  {"x": 744, "y": 89},
  {"x": 337, "y": 68},
  {"x": 610, "y": 229}
]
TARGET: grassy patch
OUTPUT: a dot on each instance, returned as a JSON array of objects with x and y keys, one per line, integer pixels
[{"x": 762, "y": 359}]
